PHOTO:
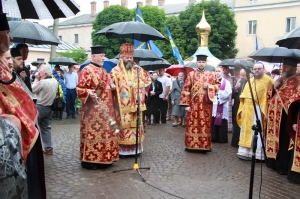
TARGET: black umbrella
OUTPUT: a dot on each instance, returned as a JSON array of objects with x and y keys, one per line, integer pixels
[
  {"x": 116, "y": 61},
  {"x": 230, "y": 62},
  {"x": 31, "y": 33},
  {"x": 194, "y": 65},
  {"x": 275, "y": 54},
  {"x": 144, "y": 55},
  {"x": 62, "y": 61},
  {"x": 133, "y": 30},
  {"x": 154, "y": 65},
  {"x": 36, "y": 63},
  {"x": 290, "y": 40},
  {"x": 38, "y": 9}
]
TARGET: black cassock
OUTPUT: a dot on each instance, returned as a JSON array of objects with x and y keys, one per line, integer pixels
[{"x": 284, "y": 159}]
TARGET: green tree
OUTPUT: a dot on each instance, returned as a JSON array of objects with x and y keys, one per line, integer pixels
[
  {"x": 152, "y": 16},
  {"x": 223, "y": 28},
  {"x": 108, "y": 16},
  {"x": 78, "y": 55}
]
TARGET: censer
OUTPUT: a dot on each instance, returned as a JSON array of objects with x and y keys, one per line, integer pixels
[{"x": 112, "y": 123}]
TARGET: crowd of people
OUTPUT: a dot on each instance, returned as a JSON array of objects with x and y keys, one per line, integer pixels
[{"x": 116, "y": 106}]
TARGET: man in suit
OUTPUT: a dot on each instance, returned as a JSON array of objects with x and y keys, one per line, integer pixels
[
  {"x": 152, "y": 102},
  {"x": 236, "y": 92}
]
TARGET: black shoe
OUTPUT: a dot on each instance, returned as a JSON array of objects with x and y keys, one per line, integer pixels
[
  {"x": 68, "y": 117},
  {"x": 90, "y": 166},
  {"x": 122, "y": 156},
  {"x": 74, "y": 117},
  {"x": 282, "y": 172}
]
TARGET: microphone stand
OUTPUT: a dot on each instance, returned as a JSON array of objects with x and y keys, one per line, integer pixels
[
  {"x": 138, "y": 122},
  {"x": 257, "y": 129}
]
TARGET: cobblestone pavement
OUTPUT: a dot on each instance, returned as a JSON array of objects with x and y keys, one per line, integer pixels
[{"x": 216, "y": 174}]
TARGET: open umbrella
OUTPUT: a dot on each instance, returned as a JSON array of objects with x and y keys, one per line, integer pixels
[
  {"x": 133, "y": 30},
  {"x": 230, "y": 62},
  {"x": 154, "y": 65},
  {"x": 275, "y": 54},
  {"x": 175, "y": 69},
  {"x": 116, "y": 61},
  {"x": 194, "y": 65},
  {"x": 62, "y": 61},
  {"x": 36, "y": 63},
  {"x": 31, "y": 33},
  {"x": 290, "y": 40},
  {"x": 38, "y": 9},
  {"x": 108, "y": 64},
  {"x": 143, "y": 55}
]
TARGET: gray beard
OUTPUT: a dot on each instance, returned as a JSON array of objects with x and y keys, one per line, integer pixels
[{"x": 128, "y": 66}]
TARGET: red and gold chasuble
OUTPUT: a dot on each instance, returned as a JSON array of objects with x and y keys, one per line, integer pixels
[
  {"x": 288, "y": 93},
  {"x": 125, "y": 96},
  {"x": 98, "y": 142},
  {"x": 198, "y": 124},
  {"x": 14, "y": 100}
]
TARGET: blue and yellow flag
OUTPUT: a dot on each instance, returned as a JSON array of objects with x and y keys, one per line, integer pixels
[
  {"x": 145, "y": 45},
  {"x": 175, "y": 50}
]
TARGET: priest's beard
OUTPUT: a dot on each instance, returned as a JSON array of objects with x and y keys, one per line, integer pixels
[
  {"x": 101, "y": 63},
  {"x": 128, "y": 65},
  {"x": 17, "y": 67},
  {"x": 3, "y": 47},
  {"x": 288, "y": 74}
]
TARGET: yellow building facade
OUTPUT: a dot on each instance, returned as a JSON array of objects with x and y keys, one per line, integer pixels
[{"x": 266, "y": 20}]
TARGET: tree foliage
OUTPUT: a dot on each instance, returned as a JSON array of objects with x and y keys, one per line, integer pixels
[
  {"x": 223, "y": 28},
  {"x": 182, "y": 28},
  {"x": 78, "y": 55},
  {"x": 108, "y": 16}
]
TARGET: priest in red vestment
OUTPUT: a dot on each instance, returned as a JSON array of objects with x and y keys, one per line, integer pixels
[
  {"x": 125, "y": 76},
  {"x": 98, "y": 140},
  {"x": 198, "y": 95},
  {"x": 16, "y": 103},
  {"x": 283, "y": 126}
]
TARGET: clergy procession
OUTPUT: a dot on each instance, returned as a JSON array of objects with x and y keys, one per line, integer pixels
[{"x": 200, "y": 124}]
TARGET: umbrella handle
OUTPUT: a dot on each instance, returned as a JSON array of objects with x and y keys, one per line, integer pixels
[{"x": 10, "y": 81}]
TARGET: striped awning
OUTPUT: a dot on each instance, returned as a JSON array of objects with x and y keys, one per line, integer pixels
[{"x": 39, "y": 9}]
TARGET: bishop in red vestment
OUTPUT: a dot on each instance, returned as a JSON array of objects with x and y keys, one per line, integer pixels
[
  {"x": 125, "y": 76},
  {"x": 196, "y": 95},
  {"x": 98, "y": 140}
]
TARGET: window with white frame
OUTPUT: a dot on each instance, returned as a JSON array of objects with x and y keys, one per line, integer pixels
[
  {"x": 252, "y": 25},
  {"x": 290, "y": 24},
  {"x": 76, "y": 38}
]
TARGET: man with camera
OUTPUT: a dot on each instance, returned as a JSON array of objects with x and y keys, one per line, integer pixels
[{"x": 45, "y": 88}]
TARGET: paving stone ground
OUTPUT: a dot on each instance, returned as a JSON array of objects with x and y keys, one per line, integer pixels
[{"x": 217, "y": 174}]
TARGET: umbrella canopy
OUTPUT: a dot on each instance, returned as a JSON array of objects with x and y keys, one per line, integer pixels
[
  {"x": 275, "y": 54},
  {"x": 116, "y": 61},
  {"x": 290, "y": 40},
  {"x": 33, "y": 9},
  {"x": 36, "y": 63},
  {"x": 62, "y": 61},
  {"x": 194, "y": 65},
  {"x": 108, "y": 64},
  {"x": 31, "y": 33},
  {"x": 230, "y": 62},
  {"x": 133, "y": 30},
  {"x": 175, "y": 69},
  {"x": 154, "y": 65},
  {"x": 143, "y": 55}
]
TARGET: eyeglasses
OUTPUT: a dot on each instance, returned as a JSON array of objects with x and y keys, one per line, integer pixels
[{"x": 257, "y": 68}]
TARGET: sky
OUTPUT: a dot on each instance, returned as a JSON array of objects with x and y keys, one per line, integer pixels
[{"x": 85, "y": 7}]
